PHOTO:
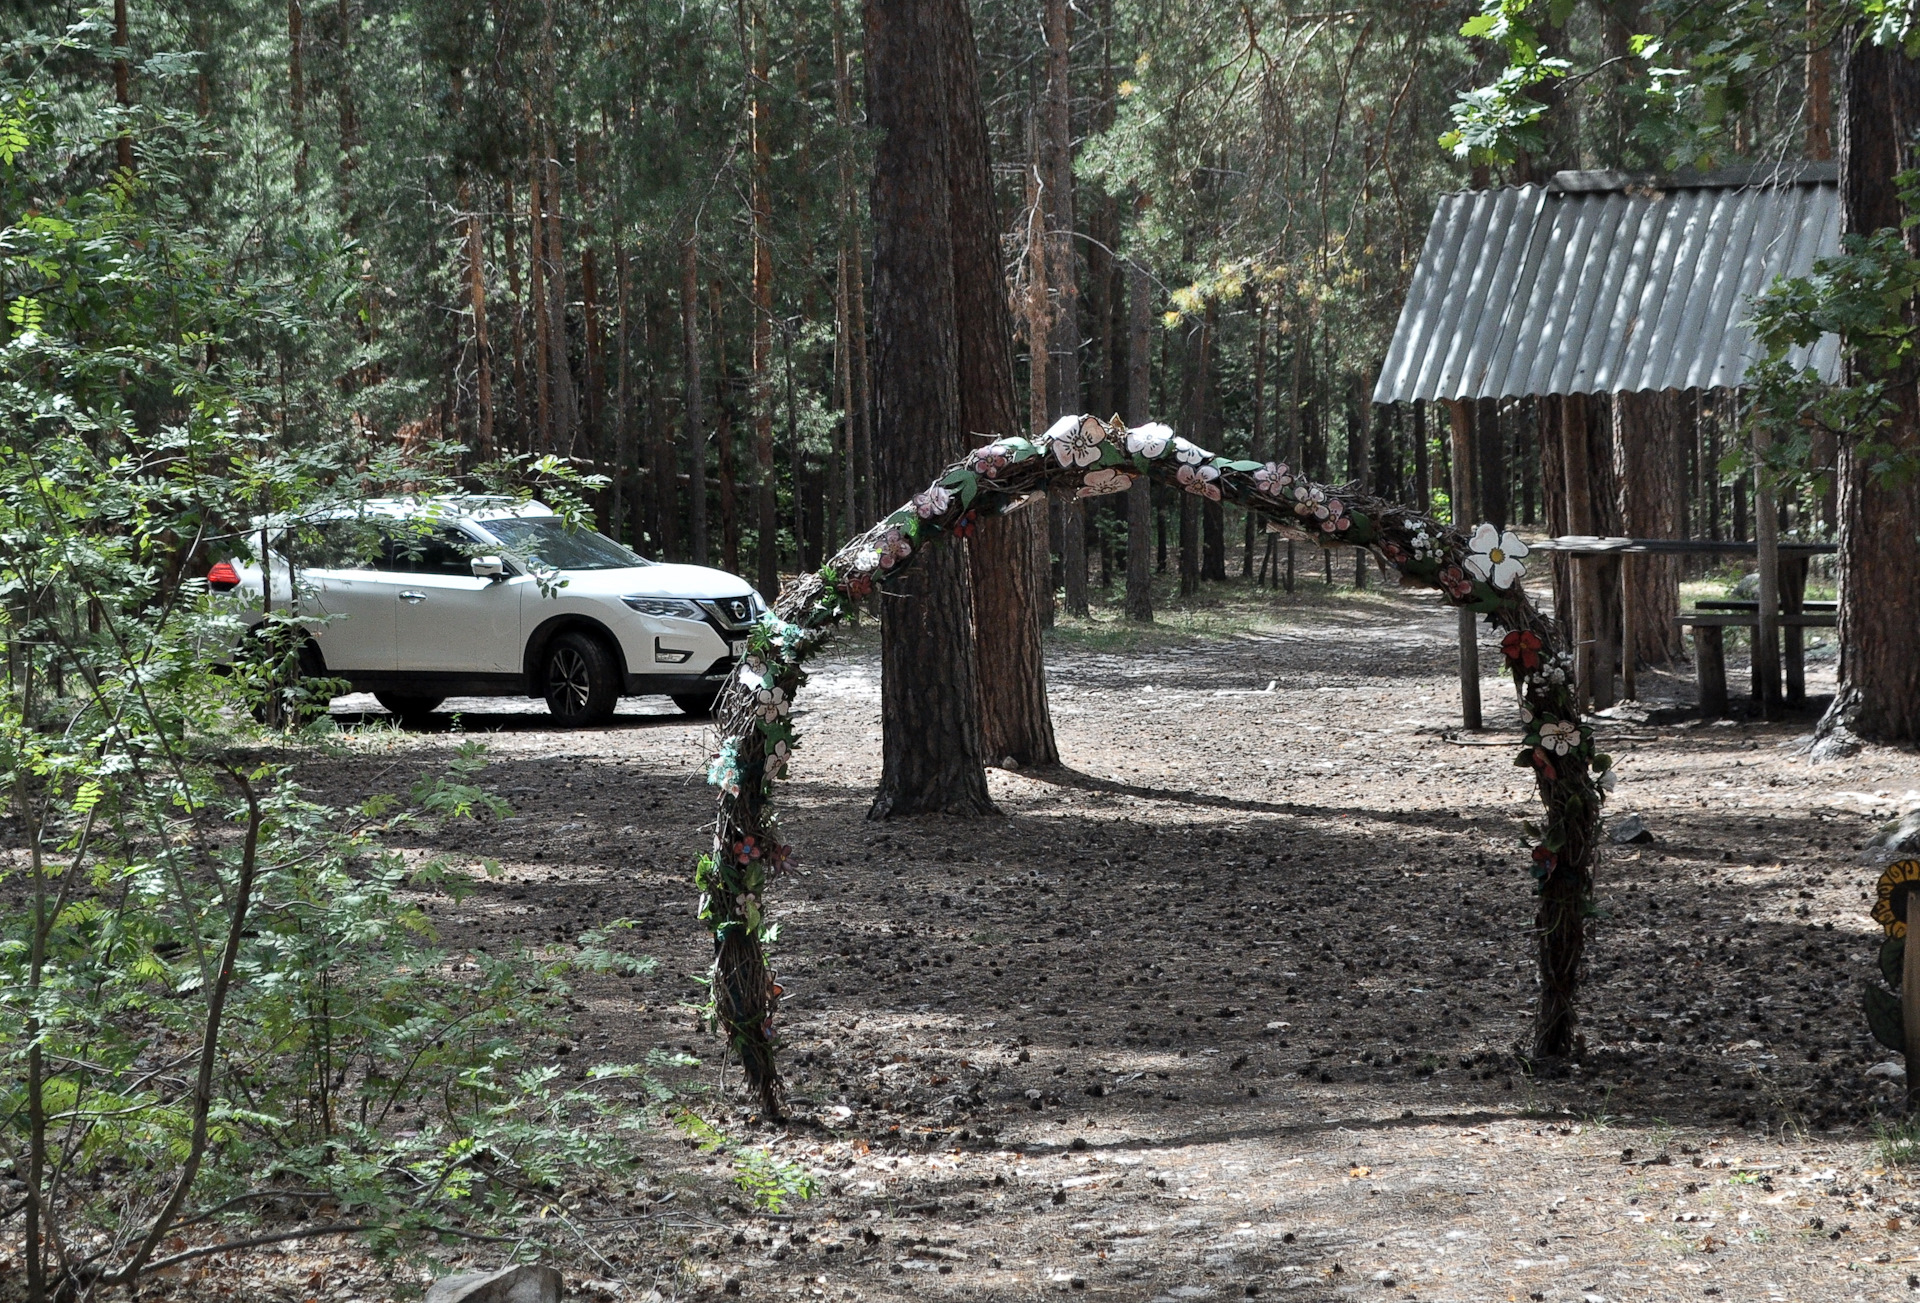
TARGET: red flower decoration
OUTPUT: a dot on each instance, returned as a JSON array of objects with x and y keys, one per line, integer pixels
[
  {"x": 1543, "y": 764},
  {"x": 1522, "y": 648},
  {"x": 963, "y": 527},
  {"x": 1456, "y": 583},
  {"x": 781, "y": 859},
  {"x": 1394, "y": 553},
  {"x": 859, "y": 586},
  {"x": 747, "y": 850},
  {"x": 1545, "y": 859}
]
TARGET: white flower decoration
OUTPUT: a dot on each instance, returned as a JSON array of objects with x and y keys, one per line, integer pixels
[
  {"x": 771, "y": 703},
  {"x": 1496, "y": 556},
  {"x": 1424, "y": 548},
  {"x": 934, "y": 502},
  {"x": 1111, "y": 479},
  {"x": 1560, "y": 736},
  {"x": 1188, "y": 454},
  {"x": 1076, "y": 440},
  {"x": 1608, "y": 781},
  {"x": 1149, "y": 441}
]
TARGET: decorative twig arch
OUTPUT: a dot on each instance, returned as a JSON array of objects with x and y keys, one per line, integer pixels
[{"x": 1088, "y": 457}]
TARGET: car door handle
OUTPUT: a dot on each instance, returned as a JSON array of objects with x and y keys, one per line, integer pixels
[{"x": 412, "y": 598}]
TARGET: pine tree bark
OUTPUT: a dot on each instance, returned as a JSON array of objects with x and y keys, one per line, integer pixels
[
  {"x": 543, "y": 422},
  {"x": 297, "y": 91},
  {"x": 1646, "y": 467},
  {"x": 477, "y": 296},
  {"x": 523, "y": 419},
  {"x": 1139, "y": 400},
  {"x": 1014, "y": 721},
  {"x": 760, "y": 199},
  {"x": 1879, "y": 693},
  {"x": 1062, "y": 266},
  {"x": 723, "y": 440},
  {"x": 694, "y": 399},
  {"x": 566, "y": 416},
  {"x": 122, "y": 84},
  {"x": 625, "y": 472},
  {"x": 930, "y": 741}
]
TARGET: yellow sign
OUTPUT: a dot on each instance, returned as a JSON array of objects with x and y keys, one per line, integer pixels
[{"x": 1898, "y": 885}]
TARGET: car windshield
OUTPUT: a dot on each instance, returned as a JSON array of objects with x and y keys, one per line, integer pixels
[{"x": 545, "y": 541}]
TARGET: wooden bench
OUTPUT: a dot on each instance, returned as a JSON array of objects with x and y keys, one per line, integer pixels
[{"x": 1709, "y": 645}]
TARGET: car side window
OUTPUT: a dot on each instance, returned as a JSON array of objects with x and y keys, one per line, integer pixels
[
  {"x": 440, "y": 552},
  {"x": 337, "y": 545}
]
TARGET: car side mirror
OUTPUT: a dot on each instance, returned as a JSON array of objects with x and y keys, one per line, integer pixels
[{"x": 489, "y": 567}]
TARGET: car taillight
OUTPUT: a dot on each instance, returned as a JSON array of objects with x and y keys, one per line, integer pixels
[{"x": 223, "y": 577}]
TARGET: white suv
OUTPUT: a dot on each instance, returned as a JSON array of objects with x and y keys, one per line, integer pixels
[{"x": 428, "y": 599}]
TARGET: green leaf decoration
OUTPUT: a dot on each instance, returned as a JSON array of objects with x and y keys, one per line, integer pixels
[
  {"x": 1360, "y": 529},
  {"x": 1221, "y": 463},
  {"x": 1524, "y": 760},
  {"x": 1883, "y": 1017},
  {"x": 1018, "y": 449},
  {"x": 1893, "y": 960}
]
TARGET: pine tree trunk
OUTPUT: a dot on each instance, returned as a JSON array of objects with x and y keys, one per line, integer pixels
[
  {"x": 624, "y": 456},
  {"x": 1879, "y": 694},
  {"x": 516, "y": 337},
  {"x": 760, "y": 198},
  {"x": 1062, "y": 266},
  {"x": 543, "y": 422},
  {"x": 297, "y": 92},
  {"x": 929, "y": 697},
  {"x": 1139, "y": 399},
  {"x": 477, "y": 296},
  {"x": 566, "y": 416},
  {"x": 694, "y": 399},
  {"x": 1014, "y": 721},
  {"x": 1646, "y": 467},
  {"x": 723, "y": 441}
]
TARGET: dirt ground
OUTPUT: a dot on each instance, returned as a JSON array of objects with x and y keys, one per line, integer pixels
[{"x": 1226, "y": 1006}]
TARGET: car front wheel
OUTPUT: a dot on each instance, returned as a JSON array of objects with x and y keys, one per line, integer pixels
[{"x": 582, "y": 682}]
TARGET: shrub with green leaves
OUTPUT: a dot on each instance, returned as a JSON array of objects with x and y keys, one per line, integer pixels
[{"x": 219, "y": 997}]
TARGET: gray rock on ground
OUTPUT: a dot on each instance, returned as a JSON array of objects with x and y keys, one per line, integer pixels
[
  {"x": 1630, "y": 830},
  {"x": 519, "y": 1283},
  {"x": 1900, "y": 837}
]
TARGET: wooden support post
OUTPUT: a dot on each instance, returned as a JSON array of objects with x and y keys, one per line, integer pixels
[
  {"x": 1766, "y": 639},
  {"x": 1629, "y": 688},
  {"x": 1910, "y": 1004},
  {"x": 1710, "y": 669},
  {"x": 1460, "y": 436},
  {"x": 1793, "y": 601},
  {"x": 1573, "y": 437}
]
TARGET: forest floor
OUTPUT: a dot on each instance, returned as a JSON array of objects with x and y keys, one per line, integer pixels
[{"x": 1227, "y": 1005}]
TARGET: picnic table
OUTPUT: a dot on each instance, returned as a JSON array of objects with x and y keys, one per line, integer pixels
[{"x": 1710, "y": 619}]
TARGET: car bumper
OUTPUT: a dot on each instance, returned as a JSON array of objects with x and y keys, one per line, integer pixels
[{"x": 710, "y": 680}]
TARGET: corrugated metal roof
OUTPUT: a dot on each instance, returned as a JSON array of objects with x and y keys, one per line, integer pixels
[{"x": 1599, "y": 284}]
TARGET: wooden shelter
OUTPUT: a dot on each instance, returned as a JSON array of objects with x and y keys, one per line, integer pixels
[{"x": 1616, "y": 302}]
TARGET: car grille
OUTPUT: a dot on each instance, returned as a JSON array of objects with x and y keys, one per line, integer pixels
[{"x": 731, "y": 614}]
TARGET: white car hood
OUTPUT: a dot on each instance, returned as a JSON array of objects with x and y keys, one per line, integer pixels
[{"x": 655, "y": 581}]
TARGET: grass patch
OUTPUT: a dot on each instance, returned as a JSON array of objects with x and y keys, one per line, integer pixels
[{"x": 1897, "y": 1143}]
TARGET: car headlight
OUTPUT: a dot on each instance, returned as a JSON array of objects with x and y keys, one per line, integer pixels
[{"x": 664, "y": 607}]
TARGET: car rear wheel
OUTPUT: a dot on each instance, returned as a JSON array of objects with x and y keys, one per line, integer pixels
[
  {"x": 696, "y": 703},
  {"x": 408, "y": 708},
  {"x": 582, "y": 682}
]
